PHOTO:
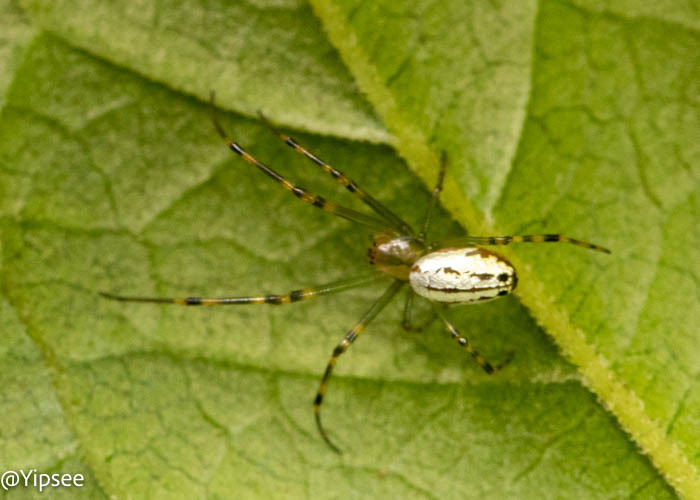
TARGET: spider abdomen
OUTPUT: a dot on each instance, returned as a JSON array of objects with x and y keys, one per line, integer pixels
[{"x": 462, "y": 275}]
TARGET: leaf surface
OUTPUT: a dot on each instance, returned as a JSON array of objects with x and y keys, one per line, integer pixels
[{"x": 114, "y": 180}]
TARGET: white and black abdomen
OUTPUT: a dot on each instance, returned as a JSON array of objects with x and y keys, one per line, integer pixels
[{"x": 462, "y": 275}]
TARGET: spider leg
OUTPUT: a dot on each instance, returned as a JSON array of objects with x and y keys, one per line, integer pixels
[
  {"x": 464, "y": 342},
  {"x": 435, "y": 198},
  {"x": 298, "y": 191},
  {"x": 287, "y": 298},
  {"x": 387, "y": 215},
  {"x": 406, "y": 322},
  {"x": 343, "y": 346},
  {"x": 528, "y": 238}
]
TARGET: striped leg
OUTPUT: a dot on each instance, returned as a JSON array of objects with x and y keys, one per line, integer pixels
[
  {"x": 343, "y": 346},
  {"x": 390, "y": 217},
  {"x": 298, "y": 191},
  {"x": 528, "y": 238},
  {"x": 287, "y": 298},
  {"x": 436, "y": 196},
  {"x": 462, "y": 341}
]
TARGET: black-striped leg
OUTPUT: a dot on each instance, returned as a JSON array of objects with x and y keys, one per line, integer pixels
[
  {"x": 528, "y": 238},
  {"x": 407, "y": 322},
  {"x": 390, "y": 217},
  {"x": 434, "y": 199},
  {"x": 343, "y": 346},
  {"x": 464, "y": 342},
  {"x": 287, "y": 298},
  {"x": 298, "y": 191}
]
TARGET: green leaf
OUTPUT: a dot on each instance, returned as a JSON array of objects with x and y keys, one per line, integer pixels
[
  {"x": 605, "y": 146},
  {"x": 254, "y": 54},
  {"x": 15, "y": 31},
  {"x": 112, "y": 179}
]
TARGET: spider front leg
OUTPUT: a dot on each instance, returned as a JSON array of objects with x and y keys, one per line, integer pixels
[
  {"x": 464, "y": 342},
  {"x": 385, "y": 213},
  {"x": 343, "y": 346},
  {"x": 303, "y": 194}
]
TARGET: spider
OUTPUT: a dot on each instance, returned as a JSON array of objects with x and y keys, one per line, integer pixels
[{"x": 457, "y": 271}]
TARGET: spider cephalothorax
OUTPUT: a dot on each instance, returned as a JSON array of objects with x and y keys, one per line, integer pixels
[{"x": 395, "y": 254}]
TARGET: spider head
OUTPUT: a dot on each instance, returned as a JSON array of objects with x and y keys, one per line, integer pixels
[{"x": 394, "y": 254}]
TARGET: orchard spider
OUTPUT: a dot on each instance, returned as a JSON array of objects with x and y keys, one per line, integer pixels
[{"x": 454, "y": 272}]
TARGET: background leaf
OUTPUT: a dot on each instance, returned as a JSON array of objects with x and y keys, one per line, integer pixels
[{"x": 113, "y": 179}]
